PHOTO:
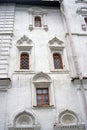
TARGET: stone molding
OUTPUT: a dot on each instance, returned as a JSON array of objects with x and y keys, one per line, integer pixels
[{"x": 4, "y": 84}]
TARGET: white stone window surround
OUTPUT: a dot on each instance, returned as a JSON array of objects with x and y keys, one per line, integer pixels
[
  {"x": 82, "y": 11},
  {"x": 81, "y": 1},
  {"x": 42, "y": 80},
  {"x": 24, "y": 45},
  {"x": 57, "y": 46},
  {"x": 37, "y": 12}
]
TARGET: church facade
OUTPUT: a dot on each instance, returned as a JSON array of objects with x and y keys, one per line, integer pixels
[{"x": 43, "y": 66}]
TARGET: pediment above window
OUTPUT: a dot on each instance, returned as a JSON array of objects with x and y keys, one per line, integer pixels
[
  {"x": 24, "y": 43},
  {"x": 82, "y": 10},
  {"x": 41, "y": 78},
  {"x": 55, "y": 43},
  {"x": 81, "y": 1},
  {"x": 36, "y": 10}
]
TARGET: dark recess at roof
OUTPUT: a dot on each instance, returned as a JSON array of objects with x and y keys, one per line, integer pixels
[{"x": 33, "y": 2}]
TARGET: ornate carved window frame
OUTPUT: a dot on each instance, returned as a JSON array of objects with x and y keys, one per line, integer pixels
[
  {"x": 35, "y": 11},
  {"x": 57, "y": 46},
  {"x": 42, "y": 80},
  {"x": 81, "y": 1},
  {"x": 82, "y": 11},
  {"x": 25, "y": 45}
]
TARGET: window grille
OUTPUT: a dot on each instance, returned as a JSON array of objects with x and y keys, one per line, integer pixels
[
  {"x": 57, "y": 61},
  {"x": 24, "y": 61}
]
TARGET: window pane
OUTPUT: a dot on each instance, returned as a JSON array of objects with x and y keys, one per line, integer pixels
[
  {"x": 39, "y": 97},
  {"x": 24, "y": 63},
  {"x": 39, "y": 102},
  {"x": 45, "y": 91},
  {"x": 46, "y": 100},
  {"x": 42, "y": 96},
  {"x": 39, "y": 91},
  {"x": 57, "y": 61}
]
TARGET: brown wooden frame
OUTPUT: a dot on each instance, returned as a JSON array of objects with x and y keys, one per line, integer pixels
[{"x": 42, "y": 95}]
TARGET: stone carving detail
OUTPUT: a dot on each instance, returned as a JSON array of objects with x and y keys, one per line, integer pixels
[
  {"x": 55, "y": 43},
  {"x": 68, "y": 117},
  {"x": 41, "y": 77},
  {"x": 24, "y": 43},
  {"x": 24, "y": 119}
]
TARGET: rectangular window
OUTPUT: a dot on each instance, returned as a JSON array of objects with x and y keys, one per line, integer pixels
[{"x": 42, "y": 96}]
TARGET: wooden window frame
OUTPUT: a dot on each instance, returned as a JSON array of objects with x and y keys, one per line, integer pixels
[
  {"x": 58, "y": 56},
  {"x": 42, "y": 95},
  {"x": 21, "y": 58}
]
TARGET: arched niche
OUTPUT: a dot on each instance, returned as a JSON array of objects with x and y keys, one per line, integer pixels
[
  {"x": 68, "y": 117},
  {"x": 68, "y": 120},
  {"x": 24, "y": 119}
]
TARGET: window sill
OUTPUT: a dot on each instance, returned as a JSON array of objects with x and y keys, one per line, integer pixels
[
  {"x": 60, "y": 71},
  {"x": 24, "y": 71},
  {"x": 44, "y": 107},
  {"x": 45, "y": 27}
]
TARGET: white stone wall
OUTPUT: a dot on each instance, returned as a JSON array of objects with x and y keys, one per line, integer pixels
[{"x": 64, "y": 96}]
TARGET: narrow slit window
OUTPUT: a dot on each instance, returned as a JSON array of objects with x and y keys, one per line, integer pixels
[
  {"x": 85, "y": 20},
  {"x": 42, "y": 96},
  {"x": 24, "y": 61},
  {"x": 37, "y": 21},
  {"x": 57, "y": 61}
]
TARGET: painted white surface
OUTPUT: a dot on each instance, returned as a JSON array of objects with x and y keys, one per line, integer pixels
[{"x": 64, "y": 94}]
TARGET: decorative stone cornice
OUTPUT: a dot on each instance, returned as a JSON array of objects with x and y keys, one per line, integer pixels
[
  {"x": 24, "y": 43},
  {"x": 55, "y": 43},
  {"x": 4, "y": 84}
]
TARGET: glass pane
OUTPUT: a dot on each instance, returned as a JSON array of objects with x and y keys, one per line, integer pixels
[
  {"x": 39, "y": 102},
  {"x": 24, "y": 61},
  {"x": 57, "y": 63},
  {"x": 45, "y": 97},
  {"x": 39, "y": 91},
  {"x": 45, "y": 91},
  {"x": 46, "y": 101},
  {"x": 39, "y": 97}
]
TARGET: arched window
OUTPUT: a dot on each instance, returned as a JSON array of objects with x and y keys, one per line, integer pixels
[
  {"x": 57, "y": 61},
  {"x": 37, "y": 21},
  {"x": 24, "y": 61}
]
